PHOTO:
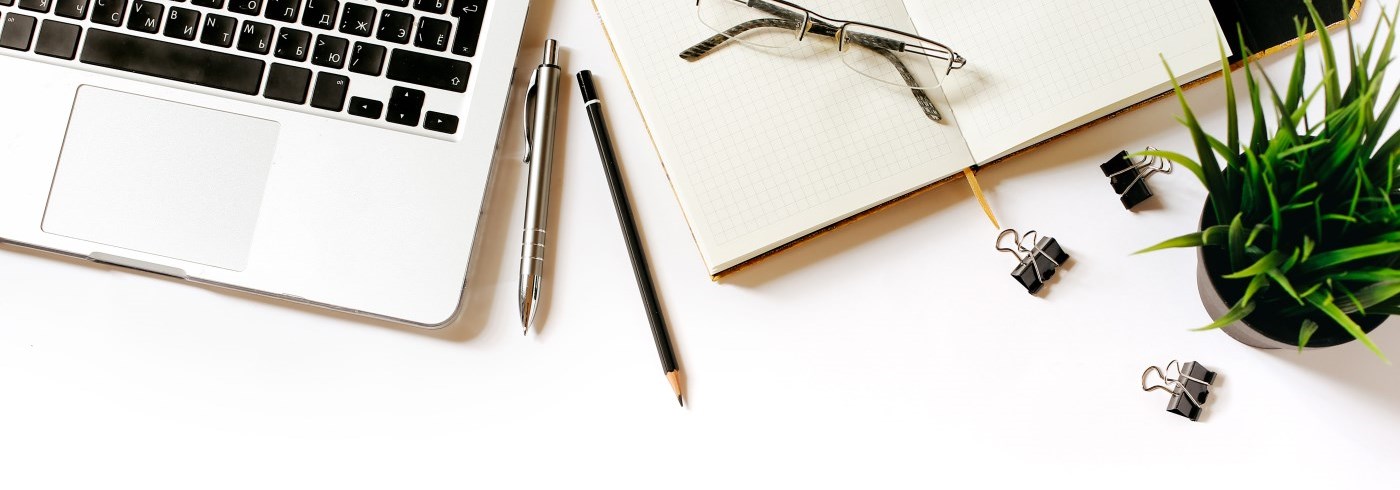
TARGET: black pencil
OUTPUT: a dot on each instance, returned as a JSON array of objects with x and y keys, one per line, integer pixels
[{"x": 640, "y": 269}]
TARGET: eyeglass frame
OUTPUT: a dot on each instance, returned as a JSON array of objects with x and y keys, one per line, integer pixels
[{"x": 835, "y": 28}]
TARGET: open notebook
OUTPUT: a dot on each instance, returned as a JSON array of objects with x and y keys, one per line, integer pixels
[{"x": 763, "y": 148}]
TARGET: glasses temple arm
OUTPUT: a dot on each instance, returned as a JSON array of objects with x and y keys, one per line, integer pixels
[
  {"x": 919, "y": 94},
  {"x": 776, "y": 11},
  {"x": 703, "y": 48},
  {"x": 936, "y": 51}
]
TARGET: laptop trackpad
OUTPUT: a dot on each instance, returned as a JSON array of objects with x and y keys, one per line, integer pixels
[{"x": 161, "y": 177}]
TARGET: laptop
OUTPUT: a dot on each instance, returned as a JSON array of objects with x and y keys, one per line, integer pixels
[{"x": 333, "y": 153}]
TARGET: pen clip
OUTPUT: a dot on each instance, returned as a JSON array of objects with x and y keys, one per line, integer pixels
[{"x": 530, "y": 100}]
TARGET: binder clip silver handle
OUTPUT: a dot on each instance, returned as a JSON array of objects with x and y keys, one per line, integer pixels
[{"x": 1016, "y": 241}]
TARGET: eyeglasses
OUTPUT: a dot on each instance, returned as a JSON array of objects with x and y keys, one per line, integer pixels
[{"x": 890, "y": 56}]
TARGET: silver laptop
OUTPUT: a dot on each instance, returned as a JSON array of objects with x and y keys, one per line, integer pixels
[{"x": 329, "y": 152}]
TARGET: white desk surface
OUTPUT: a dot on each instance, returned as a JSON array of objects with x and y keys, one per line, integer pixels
[{"x": 893, "y": 353}]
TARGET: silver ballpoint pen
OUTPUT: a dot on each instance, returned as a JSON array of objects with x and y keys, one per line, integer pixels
[{"x": 541, "y": 117}]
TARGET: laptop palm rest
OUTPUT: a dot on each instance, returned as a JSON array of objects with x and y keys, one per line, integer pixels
[{"x": 161, "y": 177}]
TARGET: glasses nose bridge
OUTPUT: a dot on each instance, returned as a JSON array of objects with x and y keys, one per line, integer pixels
[{"x": 809, "y": 24}]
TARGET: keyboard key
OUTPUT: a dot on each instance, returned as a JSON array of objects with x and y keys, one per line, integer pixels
[
  {"x": 213, "y": 4},
  {"x": 283, "y": 10},
  {"x": 432, "y": 34},
  {"x": 287, "y": 83},
  {"x": 367, "y": 59},
  {"x": 145, "y": 16},
  {"x": 468, "y": 8},
  {"x": 256, "y": 37},
  {"x": 358, "y": 19},
  {"x": 73, "y": 9},
  {"x": 396, "y": 3},
  {"x": 330, "y": 92},
  {"x": 36, "y": 5},
  {"x": 362, "y": 107},
  {"x": 6, "y": 3},
  {"x": 442, "y": 123},
  {"x": 470, "y": 15},
  {"x": 434, "y": 6},
  {"x": 429, "y": 70},
  {"x": 330, "y": 51},
  {"x": 219, "y": 30},
  {"x": 108, "y": 12},
  {"x": 58, "y": 39},
  {"x": 181, "y": 23},
  {"x": 245, "y": 7},
  {"x": 292, "y": 44},
  {"x": 172, "y": 61},
  {"x": 320, "y": 13},
  {"x": 17, "y": 32},
  {"x": 395, "y": 26},
  {"x": 405, "y": 106}
]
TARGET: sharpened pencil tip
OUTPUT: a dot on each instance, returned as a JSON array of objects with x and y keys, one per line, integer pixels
[{"x": 674, "y": 377}]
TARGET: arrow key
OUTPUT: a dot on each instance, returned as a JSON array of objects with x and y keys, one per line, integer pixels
[
  {"x": 405, "y": 106},
  {"x": 442, "y": 123},
  {"x": 363, "y": 107}
]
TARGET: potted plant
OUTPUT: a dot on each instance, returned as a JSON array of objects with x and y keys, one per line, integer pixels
[{"x": 1299, "y": 237}]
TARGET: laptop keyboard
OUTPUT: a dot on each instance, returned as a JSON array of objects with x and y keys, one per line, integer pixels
[{"x": 399, "y": 64}]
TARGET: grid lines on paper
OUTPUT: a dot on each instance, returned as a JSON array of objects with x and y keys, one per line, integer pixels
[{"x": 1035, "y": 71}]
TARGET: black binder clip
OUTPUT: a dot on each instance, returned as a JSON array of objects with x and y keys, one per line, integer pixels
[
  {"x": 1036, "y": 264},
  {"x": 1189, "y": 386},
  {"x": 1129, "y": 177}
]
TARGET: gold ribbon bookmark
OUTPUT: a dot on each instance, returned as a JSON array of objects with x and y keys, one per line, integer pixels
[{"x": 981, "y": 199}]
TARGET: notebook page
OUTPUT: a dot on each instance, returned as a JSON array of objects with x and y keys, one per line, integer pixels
[
  {"x": 765, "y": 146},
  {"x": 1037, "y": 68}
]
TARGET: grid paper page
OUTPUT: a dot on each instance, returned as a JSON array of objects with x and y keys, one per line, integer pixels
[
  {"x": 764, "y": 146},
  {"x": 1039, "y": 67}
]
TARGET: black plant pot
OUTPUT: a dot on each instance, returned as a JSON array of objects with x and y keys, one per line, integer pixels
[{"x": 1260, "y": 329}]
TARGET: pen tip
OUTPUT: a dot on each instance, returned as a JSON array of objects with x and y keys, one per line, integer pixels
[
  {"x": 529, "y": 300},
  {"x": 680, "y": 401}
]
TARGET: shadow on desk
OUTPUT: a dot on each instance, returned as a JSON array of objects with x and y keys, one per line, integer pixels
[
  {"x": 1354, "y": 367},
  {"x": 465, "y": 328}
]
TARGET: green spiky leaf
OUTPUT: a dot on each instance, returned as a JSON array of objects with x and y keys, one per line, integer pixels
[
  {"x": 1235, "y": 313},
  {"x": 1214, "y": 235},
  {"x": 1263, "y": 265},
  {"x": 1305, "y": 333},
  {"x": 1335, "y": 258},
  {"x": 1327, "y": 307}
]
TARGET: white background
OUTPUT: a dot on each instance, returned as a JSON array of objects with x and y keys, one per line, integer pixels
[{"x": 892, "y": 353}]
